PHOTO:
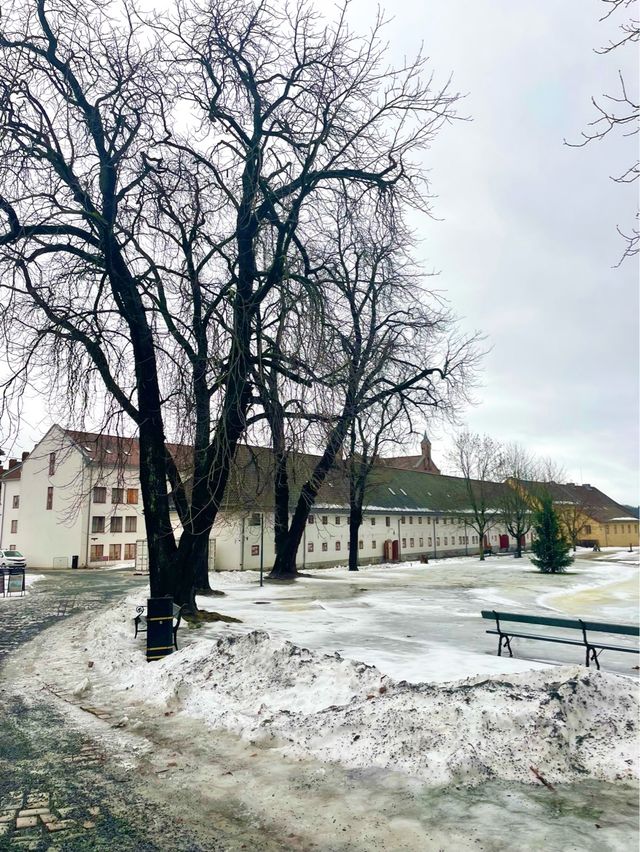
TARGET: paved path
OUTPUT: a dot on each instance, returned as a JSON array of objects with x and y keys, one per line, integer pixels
[{"x": 57, "y": 791}]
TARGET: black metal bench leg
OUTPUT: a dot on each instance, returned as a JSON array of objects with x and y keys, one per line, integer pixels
[
  {"x": 507, "y": 644},
  {"x": 592, "y": 655}
]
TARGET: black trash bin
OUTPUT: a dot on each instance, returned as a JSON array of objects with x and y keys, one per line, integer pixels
[{"x": 74, "y": 561}]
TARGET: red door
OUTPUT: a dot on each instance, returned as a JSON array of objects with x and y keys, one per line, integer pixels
[
  {"x": 486, "y": 541},
  {"x": 504, "y": 542},
  {"x": 395, "y": 550}
]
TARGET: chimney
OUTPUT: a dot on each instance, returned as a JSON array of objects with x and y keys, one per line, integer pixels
[
  {"x": 12, "y": 463},
  {"x": 25, "y": 456}
]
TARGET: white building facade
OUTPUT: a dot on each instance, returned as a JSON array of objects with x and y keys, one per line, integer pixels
[{"x": 75, "y": 501}]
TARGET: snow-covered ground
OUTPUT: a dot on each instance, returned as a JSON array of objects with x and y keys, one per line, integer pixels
[{"x": 319, "y": 669}]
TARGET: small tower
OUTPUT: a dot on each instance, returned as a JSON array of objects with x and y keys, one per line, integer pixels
[{"x": 426, "y": 461}]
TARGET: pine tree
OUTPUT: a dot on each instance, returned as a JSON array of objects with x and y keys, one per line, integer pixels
[{"x": 550, "y": 548}]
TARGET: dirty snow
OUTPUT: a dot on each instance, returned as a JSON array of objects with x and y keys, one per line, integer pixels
[{"x": 569, "y": 722}]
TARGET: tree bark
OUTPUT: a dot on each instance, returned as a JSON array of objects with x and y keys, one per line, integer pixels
[
  {"x": 284, "y": 567},
  {"x": 355, "y": 522}
]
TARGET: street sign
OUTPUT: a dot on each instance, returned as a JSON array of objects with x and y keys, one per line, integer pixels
[{"x": 16, "y": 582}]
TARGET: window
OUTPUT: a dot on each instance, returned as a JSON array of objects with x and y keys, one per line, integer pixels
[
  {"x": 459, "y": 539},
  {"x": 254, "y": 520},
  {"x": 117, "y": 495},
  {"x": 412, "y": 542},
  {"x": 96, "y": 552},
  {"x": 444, "y": 521},
  {"x": 311, "y": 519},
  {"x": 361, "y": 545},
  {"x": 438, "y": 542},
  {"x": 338, "y": 524},
  {"x": 99, "y": 494},
  {"x": 628, "y": 528},
  {"x": 129, "y": 551},
  {"x": 421, "y": 542},
  {"x": 404, "y": 543},
  {"x": 52, "y": 463},
  {"x": 132, "y": 496},
  {"x": 373, "y": 545},
  {"x": 446, "y": 541},
  {"x": 337, "y": 545},
  {"x": 429, "y": 541},
  {"x": 16, "y": 501},
  {"x": 310, "y": 547},
  {"x": 373, "y": 523},
  {"x": 14, "y": 526},
  {"x": 403, "y": 520},
  {"x": 325, "y": 520},
  {"x": 606, "y": 529},
  {"x": 410, "y": 519},
  {"x": 255, "y": 550},
  {"x": 50, "y": 497},
  {"x": 420, "y": 519},
  {"x": 615, "y": 528},
  {"x": 97, "y": 524},
  {"x": 115, "y": 525},
  {"x": 114, "y": 551},
  {"x": 325, "y": 546},
  {"x": 387, "y": 521},
  {"x": 131, "y": 523},
  {"x": 437, "y": 520}
]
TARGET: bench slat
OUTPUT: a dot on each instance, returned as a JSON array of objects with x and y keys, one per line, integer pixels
[
  {"x": 594, "y": 626},
  {"x": 537, "y": 636}
]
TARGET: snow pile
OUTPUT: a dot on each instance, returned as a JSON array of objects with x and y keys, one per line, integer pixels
[{"x": 567, "y": 722}]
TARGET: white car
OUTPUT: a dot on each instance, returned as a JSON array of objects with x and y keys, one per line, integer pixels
[{"x": 12, "y": 559}]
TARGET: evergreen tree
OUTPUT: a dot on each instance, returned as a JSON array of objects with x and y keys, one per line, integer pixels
[{"x": 549, "y": 546}]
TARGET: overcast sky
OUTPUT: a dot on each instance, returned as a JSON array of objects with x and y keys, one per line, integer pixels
[{"x": 527, "y": 238}]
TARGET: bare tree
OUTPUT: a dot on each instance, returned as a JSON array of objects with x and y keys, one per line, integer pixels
[
  {"x": 476, "y": 458},
  {"x": 389, "y": 422},
  {"x": 573, "y": 515},
  {"x": 619, "y": 112},
  {"x": 518, "y": 470},
  {"x": 157, "y": 179},
  {"x": 381, "y": 340}
]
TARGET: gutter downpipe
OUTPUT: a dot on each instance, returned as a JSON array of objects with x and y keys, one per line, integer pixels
[
  {"x": 86, "y": 542},
  {"x": 242, "y": 545}
]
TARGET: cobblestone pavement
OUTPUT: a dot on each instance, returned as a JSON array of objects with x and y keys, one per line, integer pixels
[{"x": 57, "y": 791}]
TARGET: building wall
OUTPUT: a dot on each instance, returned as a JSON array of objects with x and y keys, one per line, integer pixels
[
  {"x": 49, "y": 536},
  {"x": 9, "y": 489},
  {"x": 619, "y": 533},
  {"x": 238, "y": 543}
]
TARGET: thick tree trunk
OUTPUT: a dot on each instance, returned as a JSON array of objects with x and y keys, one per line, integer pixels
[
  {"x": 355, "y": 522},
  {"x": 284, "y": 567},
  {"x": 193, "y": 567},
  {"x": 281, "y": 503}
]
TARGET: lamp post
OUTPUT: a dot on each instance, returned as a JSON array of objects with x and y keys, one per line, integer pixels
[{"x": 261, "y": 548}]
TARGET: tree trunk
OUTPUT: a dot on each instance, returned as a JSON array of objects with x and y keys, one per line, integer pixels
[
  {"x": 355, "y": 522},
  {"x": 193, "y": 568},
  {"x": 281, "y": 503},
  {"x": 284, "y": 567}
]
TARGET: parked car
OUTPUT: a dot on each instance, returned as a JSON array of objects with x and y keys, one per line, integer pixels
[{"x": 12, "y": 559}]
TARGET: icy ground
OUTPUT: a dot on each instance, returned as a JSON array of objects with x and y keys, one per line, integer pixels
[{"x": 277, "y": 682}]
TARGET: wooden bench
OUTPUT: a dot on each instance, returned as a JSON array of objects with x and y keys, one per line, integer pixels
[
  {"x": 593, "y": 648},
  {"x": 140, "y": 622}
]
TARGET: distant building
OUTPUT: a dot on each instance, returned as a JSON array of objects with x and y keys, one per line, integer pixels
[
  {"x": 423, "y": 462},
  {"x": 75, "y": 499}
]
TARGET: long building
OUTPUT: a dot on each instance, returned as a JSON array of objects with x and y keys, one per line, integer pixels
[{"x": 74, "y": 500}]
